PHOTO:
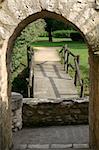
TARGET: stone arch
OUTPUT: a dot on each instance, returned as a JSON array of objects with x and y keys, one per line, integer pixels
[
  {"x": 82, "y": 15},
  {"x": 34, "y": 17}
]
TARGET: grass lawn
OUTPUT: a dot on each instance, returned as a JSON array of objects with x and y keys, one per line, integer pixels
[
  {"x": 78, "y": 48},
  {"x": 43, "y": 42}
]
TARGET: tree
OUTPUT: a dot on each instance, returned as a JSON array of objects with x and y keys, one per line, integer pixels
[
  {"x": 28, "y": 35},
  {"x": 49, "y": 27},
  {"x": 53, "y": 25},
  {"x": 19, "y": 56}
]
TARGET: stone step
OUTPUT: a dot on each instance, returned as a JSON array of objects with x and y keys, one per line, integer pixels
[
  {"x": 52, "y": 147},
  {"x": 55, "y": 137}
]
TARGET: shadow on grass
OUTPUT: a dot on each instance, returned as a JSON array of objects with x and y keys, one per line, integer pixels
[{"x": 71, "y": 44}]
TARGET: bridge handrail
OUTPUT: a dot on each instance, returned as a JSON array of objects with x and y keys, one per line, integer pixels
[
  {"x": 30, "y": 62},
  {"x": 65, "y": 56}
]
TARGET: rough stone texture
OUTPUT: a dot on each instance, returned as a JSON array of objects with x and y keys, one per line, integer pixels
[
  {"x": 5, "y": 104},
  {"x": 1, "y": 1},
  {"x": 81, "y": 13},
  {"x": 53, "y": 137},
  {"x": 16, "y": 111},
  {"x": 14, "y": 17},
  {"x": 97, "y": 4},
  {"x": 94, "y": 101},
  {"x": 39, "y": 112}
]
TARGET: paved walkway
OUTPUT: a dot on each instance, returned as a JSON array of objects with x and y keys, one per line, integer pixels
[
  {"x": 51, "y": 81},
  {"x": 52, "y": 138}
]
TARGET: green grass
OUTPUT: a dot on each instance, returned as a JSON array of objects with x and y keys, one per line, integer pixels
[
  {"x": 84, "y": 67},
  {"x": 43, "y": 42},
  {"x": 78, "y": 48}
]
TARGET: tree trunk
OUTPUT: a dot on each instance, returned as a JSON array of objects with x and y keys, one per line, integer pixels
[{"x": 50, "y": 35}]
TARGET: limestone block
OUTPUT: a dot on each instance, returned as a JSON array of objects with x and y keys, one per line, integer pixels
[
  {"x": 97, "y": 4},
  {"x": 16, "y": 111},
  {"x": 54, "y": 112},
  {"x": 1, "y": 1}
]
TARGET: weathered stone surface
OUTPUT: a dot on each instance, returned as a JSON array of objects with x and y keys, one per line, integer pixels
[
  {"x": 14, "y": 17},
  {"x": 5, "y": 105},
  {"x": 50, "y": 112},
  {"x": 16, "y": 100},
  {"x": 97, "y": 4},
  {"x": 16, "y": 111},
  {"x": 77, "y": 12},
  {"x": 1, "y": 1},
  {"x": 94, "y": 101}
]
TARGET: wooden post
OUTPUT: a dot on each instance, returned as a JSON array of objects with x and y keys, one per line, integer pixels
[
  {"x": 82, "y": 89},
  {"x": 28, "y": 56},
  {"x": 29, "y": 94},
  {"x": 64, "y": 57},
  {"x": 67, "y": 62},
  {"x": 32, "y": 88},
  {"x": 31, "y": 75},
  {"x": 28, "y": 67},
  {"x": 65, "y": 52},
  {"x": 75, "y": 78}
]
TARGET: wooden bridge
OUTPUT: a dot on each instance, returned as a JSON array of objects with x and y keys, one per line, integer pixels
[{"x": 48, "y": 77}]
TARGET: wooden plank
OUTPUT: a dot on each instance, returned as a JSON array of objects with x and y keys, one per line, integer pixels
[{"x": 31, "y": 75}]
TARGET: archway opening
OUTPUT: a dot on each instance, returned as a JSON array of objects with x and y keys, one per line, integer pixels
[
  {"x": 24, "y": 23},
  {"x": 37, "y": 35},
  {"x": 34, "y": 17}
]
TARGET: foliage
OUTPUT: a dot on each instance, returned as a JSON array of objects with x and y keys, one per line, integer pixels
[
  {"x": 20, "y": 83},
  {"x": 54, "y": 25},
  {"x": 43, "y": 42},
  {"x": 59, "y": 42},
  {"x": 62, "y": 33},
  {"x": 76, "y": 36},
  {"x": 28, "y": 35},
  {"x": 44, "y": 34}
]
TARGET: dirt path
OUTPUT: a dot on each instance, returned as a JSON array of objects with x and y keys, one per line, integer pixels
[{"x": 47, "y": 54}]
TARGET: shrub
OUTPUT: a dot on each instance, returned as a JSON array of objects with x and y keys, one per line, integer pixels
[
  {"x": 61, "y": 34},
  {"x": 76, "y": 36},
  {"x": 19, "y": 55},
  {"x": 28, "y": 35},
  {"x": 44, "y": 34}
]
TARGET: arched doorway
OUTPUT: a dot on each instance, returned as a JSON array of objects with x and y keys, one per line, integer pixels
[{"x": 5, "y": 80}]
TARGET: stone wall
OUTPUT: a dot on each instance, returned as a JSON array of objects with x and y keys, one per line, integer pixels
[
  {"x": 14, "y": 17},
  {"x": 81, "y": 13},
  {"x": 94, "y": 101},
  {"x": 97, "y": 4},
  {"x": 16, "y": 111},
  {"x": 40, "y": 112},
  {"x": 5, "y": 103}
]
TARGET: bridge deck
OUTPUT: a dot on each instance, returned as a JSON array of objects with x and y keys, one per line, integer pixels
[{"x": 51, "y": 81}]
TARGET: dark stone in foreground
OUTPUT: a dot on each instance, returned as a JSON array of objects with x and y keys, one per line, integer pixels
[{"x": 46, "y": 112}]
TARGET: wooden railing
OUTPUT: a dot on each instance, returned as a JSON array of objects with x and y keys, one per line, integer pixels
[
  {"x": 65, "y": 56},
  {"x": 30, "y": 64}
]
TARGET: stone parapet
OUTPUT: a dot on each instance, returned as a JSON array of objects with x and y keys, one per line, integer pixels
[{"x": 39, "y": 112}]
